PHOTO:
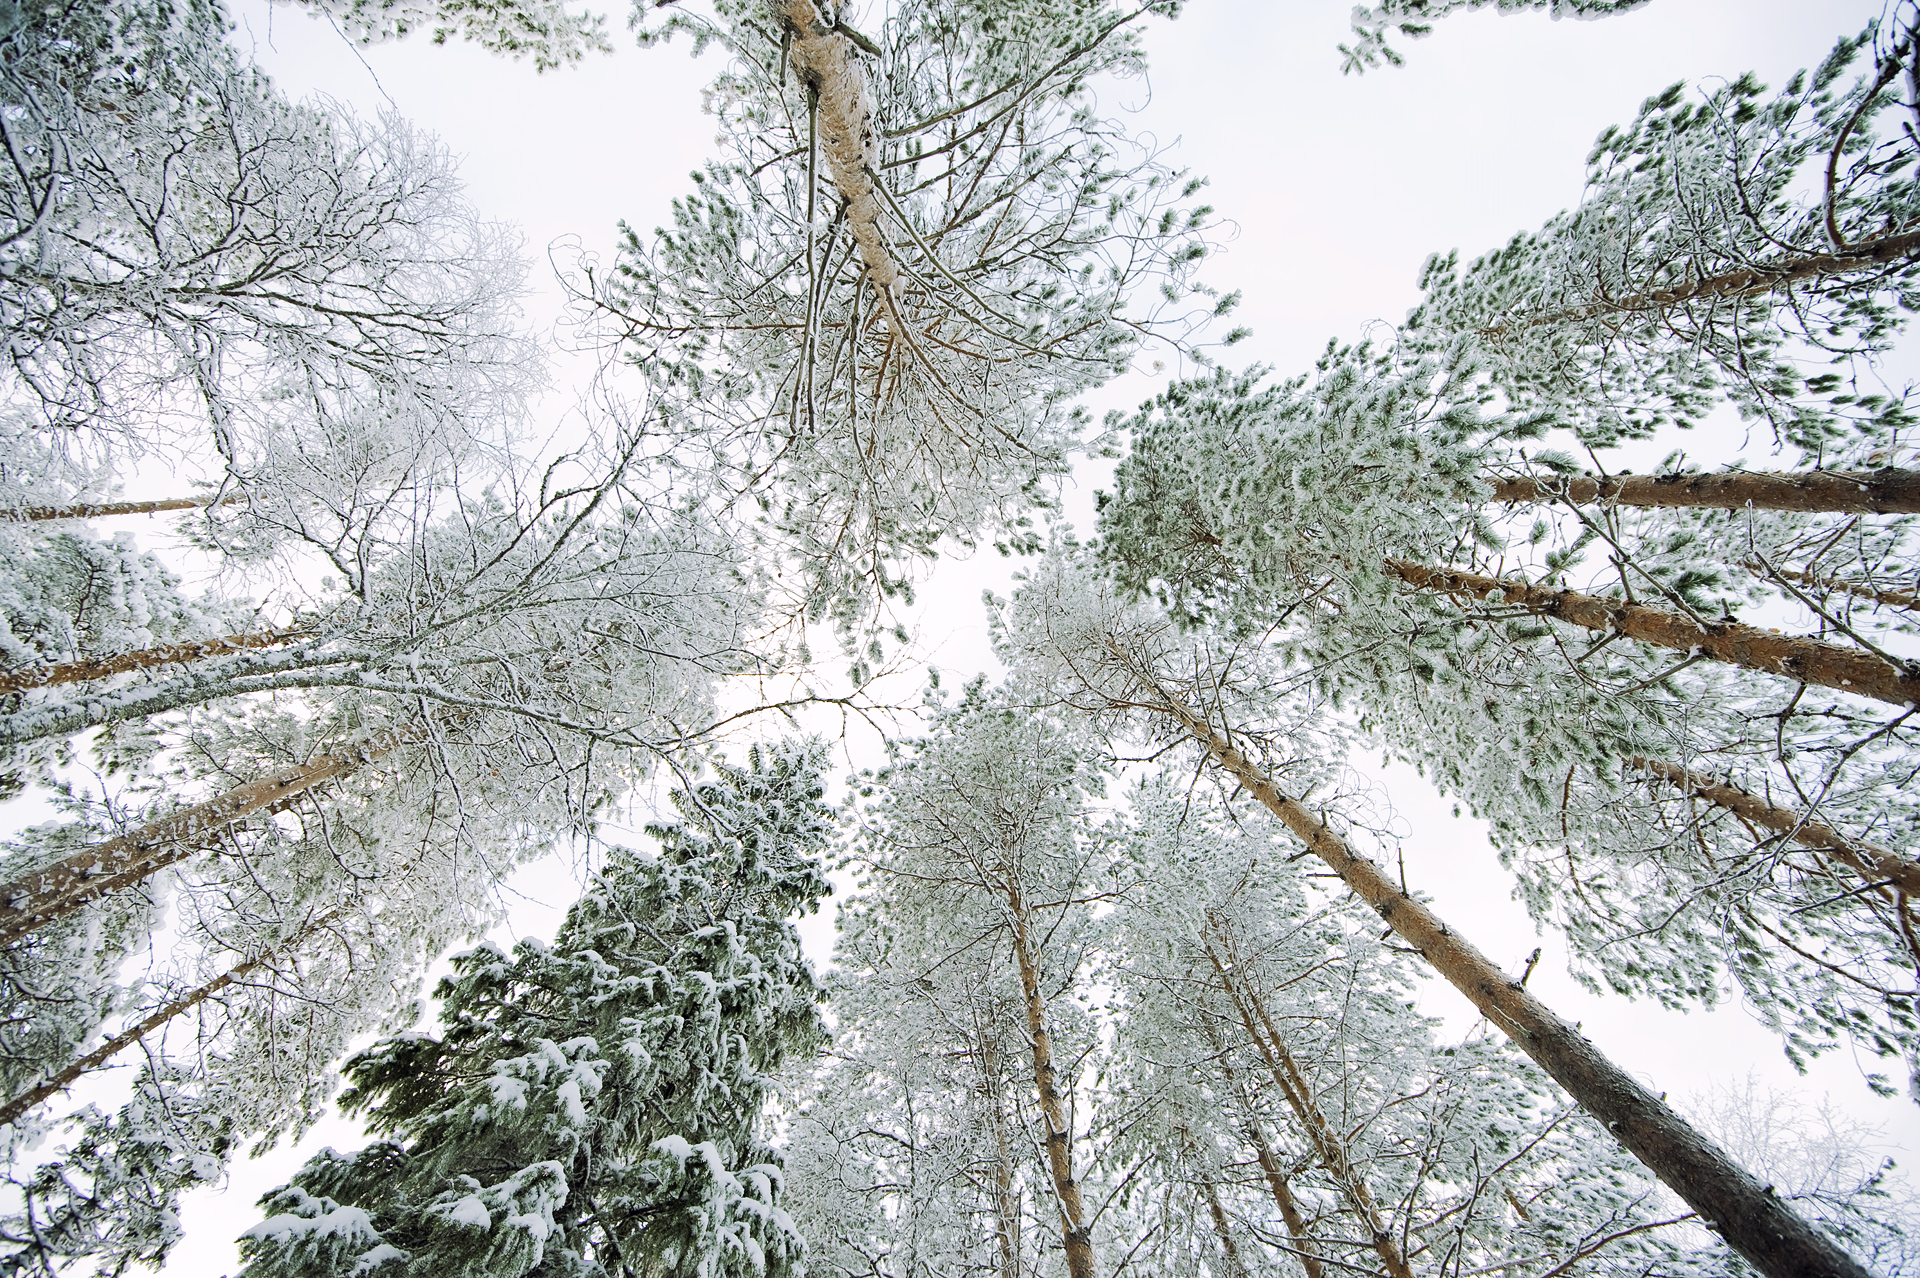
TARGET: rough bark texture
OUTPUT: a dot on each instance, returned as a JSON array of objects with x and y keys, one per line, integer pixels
[
  {"x": 1871, "y": 863},
  {"x": 1808, "y": 660},
  {"x": 1222, "y": 1229},
  {"x": 160, "y": 1016},
  {"x": 1283, "y": 1198},
  {"x": 1878, "y": 492},
  {"x": 1327, "y": 1144},
  {"x": 97, "y": 510},
  {"x": 1745, "y": 282},
  {"x": 172, "y": 654},
  {"x": 54, "y": 891},
  {"x": 1892, "y": 598},
  {"x": 1745, "y": 1212},
  {"x": 827, "y": 60},
  {"x": 1075, "y": 1228}
]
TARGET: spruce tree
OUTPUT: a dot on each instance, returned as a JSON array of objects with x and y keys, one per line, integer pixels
[{"x": 592, "y": 1106}]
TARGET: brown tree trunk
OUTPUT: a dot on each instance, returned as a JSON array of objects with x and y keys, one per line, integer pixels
[
  {"x": 1222, "y": 1228},
  {"x": 1075, "y": 1228},
  {"x": 1744, "y": 282},
  {"x": 1882, "y": 492},
  {"x": 98, "y": 510},
  {"x": 1893, "y": 598},
  {"x": 54, "y": 891},
  {"x": 1276, "y": 1175},
  {"x": 826, "y": 58},
  {"x": 1808, "y": 660},
  {"x": 1283, "y": 1198},
  {"x": 1746, "y": 1213},
  {"x": 1872, "y": 863},
  {"x": 1327, "y": 1144},
  {"x": 48, "y": 674},
  {"x": 1005, "y": 1204},
  {"x": 134, "y": 1033}
]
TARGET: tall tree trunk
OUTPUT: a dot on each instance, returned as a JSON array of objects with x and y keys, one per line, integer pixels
[
  {"x": 1872, "y": 863},
  {"x": 1006, "y": 1204},
  {"x": 1746, "y": 281},
  {"x": 1075, "y": 1228},
  {"x": 825, "y": 56},
  {"x": 1859, "y": 590},
  {"x": 1276, "y": 1177},
  {"x": 54, "y": 891},
  {"x": 1882, "y": 492},
  {"x": 1808, "y": 660},
  {"x": 160, "y": 1016},
  {"x": 1747, "y": 1214},
  {"x": 1274, "y": 1173},
  {"x": 1326, "y": 1143},
  {"x": 101, "y": 509},
  {"x": 1222, "y": 1228},
  {"x": 172, "y": 654}
]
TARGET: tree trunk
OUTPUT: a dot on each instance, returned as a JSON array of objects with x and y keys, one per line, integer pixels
[
  {"x": 54, "y": 891},
  {"x": 97, "y": 510},
  {"x": 1005, "y": 1203},
  {"x": 1871, "y": 863},
  {"x": 1744, "y": 282},
  {"x": 47, "y": 674},
  {"x": 826, "y": 58},
  {"x": 1222, "y": 1228},
  {"x": 1883, "y": 492},
  {"x": 133, "y": 1034},
  {"x": 1326, "y": 1142},
  {"x": 1283, "y": 1198},
  {"x": 1893, "y": 598},
  {"x": 1745, "y": 1212},
  {"x": 1075, "y": 1228},
  {"x": 1275, "y": 1174},
  {"x": 1808, "y": 660}
]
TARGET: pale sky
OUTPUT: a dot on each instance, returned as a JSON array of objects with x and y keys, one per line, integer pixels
[{"x": 1339, "y": 187}]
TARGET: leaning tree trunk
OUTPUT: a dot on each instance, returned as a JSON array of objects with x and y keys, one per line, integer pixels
[
  {"x": 160, "y": 1016},
  {"x": 1222, "y": 1227},
  {"x": 826, "y": 58},
  {"x": 1808, "y": 660},
  {"x": 1881, "y": 492},
  {"x": 1747, "y": 281},
  {"x": 47, "y": 674},
  {"x": 1875, "y": 864},
  {"x": 1076, "y": 1229},
  {"x": 1859, "y": 590},
  {"x": 101, "y": 509},
  {"x": 1326, "y": 1142},
  {"x": 53, "y": 892},
  {"x": 1752, "y": 1219}
]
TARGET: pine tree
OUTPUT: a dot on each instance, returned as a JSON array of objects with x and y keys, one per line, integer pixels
[{"x": 594, "y": 1106}]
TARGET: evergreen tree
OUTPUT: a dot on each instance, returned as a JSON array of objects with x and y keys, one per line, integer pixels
[{"x": 594, "y": 1106}]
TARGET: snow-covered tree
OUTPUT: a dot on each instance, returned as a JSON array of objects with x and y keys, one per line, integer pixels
[
  {"x": 195, "y": 270},
  {"x": 971, "y": 949},
  {"x": 594, "y": 1105},
  {"x": 1070, "y": 632},
  {"x": 919, "y": 246}
]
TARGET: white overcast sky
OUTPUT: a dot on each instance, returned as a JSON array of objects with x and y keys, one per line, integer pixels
[{"x": 1338, "y": 186}]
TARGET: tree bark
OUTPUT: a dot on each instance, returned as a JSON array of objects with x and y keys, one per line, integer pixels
[
  {"x": 826, "y": 58},
  {"x": 1326, "y": 1142},
  {"x": 1744, "y": 282},
  {"x": 54, "y": 891},
  {"x": 1275, "y": 1174},
  {"x": 1808, "y": 660},
  {"x": 1746, "y": 1213},
  {"x": 1075, "y": 1228},
  {"x": 1872, "y": 863},
  {"x": 133, "y": 1034},
  {"x": 98, "y": 510},
  {"x": 1222, "y": 1228},
  {"x": 1893, "y": 598},
  {"x": 1881, "y": 492},
  {"x": 48, "y": 674}
]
